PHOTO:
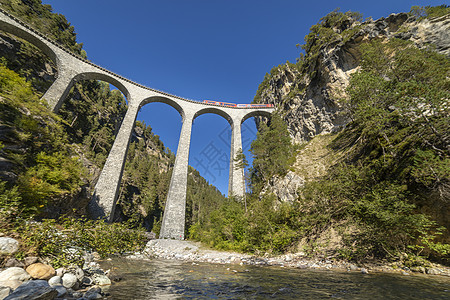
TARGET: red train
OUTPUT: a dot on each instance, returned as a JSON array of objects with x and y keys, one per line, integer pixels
[{"x": 236, "y": 105}]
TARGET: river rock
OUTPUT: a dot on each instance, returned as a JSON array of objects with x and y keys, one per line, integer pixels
[
  {"x": 87, "y": 281},
  {"x": 433, "y": 271},
  {"x": 60, "y": 289},
  {"x": 33, "y": 290},
  {"x": 30, "y": 260},
  {"x": 100, "y": 279},
  {"x": 93, "y": 293},
  {"x": 8, "y": 246},
  {"x": 14, "y": 273},
  {"x": 69, "y": 280},
  {"x": 55, "y": 280},
  {"x": 78, "y": 272},
  {"x": 12, "y": 262},
  {"x": 4, "y": 292},
  {"x": 41, "y": 271},
  {"x": 60, "y": 272}
]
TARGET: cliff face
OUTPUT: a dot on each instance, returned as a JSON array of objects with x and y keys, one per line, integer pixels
[
  {"x": 312, "y": 100},
  {"x": 311, "y": 103}
]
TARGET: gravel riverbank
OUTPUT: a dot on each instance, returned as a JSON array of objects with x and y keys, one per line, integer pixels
[{"x": 195, "y": 252}]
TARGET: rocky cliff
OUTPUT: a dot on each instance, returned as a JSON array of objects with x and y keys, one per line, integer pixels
[
  {"x": 311, "y": 96},
  {"x": 311, "y": 100}
]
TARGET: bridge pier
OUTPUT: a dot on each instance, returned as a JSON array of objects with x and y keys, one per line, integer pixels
[
  {"x": 236, "y": 183},
  {"x": 59, "y": 90},
  {"x": 174, "y": 213},
  {"x": 103, "y": 202}
]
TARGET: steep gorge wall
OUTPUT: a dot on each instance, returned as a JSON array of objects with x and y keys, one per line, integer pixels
[
  {"x": 312, "y": 98},
  {"x": 312, "y": 102}
]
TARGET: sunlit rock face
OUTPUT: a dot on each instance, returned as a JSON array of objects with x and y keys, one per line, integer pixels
[{"x": 312, "y": 103}]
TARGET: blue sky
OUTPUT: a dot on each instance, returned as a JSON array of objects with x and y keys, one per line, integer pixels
[{"x": 202, "y": 49}]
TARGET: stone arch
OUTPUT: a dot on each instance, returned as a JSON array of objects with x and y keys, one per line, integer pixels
[
  {"x": 36, "y": 41},
  {"x": 165, "y": 100},
  {"x": 102, "y": 77},
  {"x": 214, "y": 110},
  {"x": 256, "y": 113}
]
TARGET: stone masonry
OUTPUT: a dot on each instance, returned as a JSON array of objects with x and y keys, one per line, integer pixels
[{"x": 72, "y": 68}]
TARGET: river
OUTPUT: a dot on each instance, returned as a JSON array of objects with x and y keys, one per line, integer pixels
[{"x": 172, "y": 279}]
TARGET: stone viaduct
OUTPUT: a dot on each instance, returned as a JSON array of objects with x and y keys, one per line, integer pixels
[{"x": 72, "y": 68}]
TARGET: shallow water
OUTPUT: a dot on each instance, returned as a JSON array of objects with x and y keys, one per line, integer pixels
[{"x": 170, "y": 279}]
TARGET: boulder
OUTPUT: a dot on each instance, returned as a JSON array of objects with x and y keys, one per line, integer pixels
[
  {"x": 54, "y": 281},
  {"x": 14, "y": 273},
  {"x": 8, "y": 246},
  {"x": 30, "y": 260},
  {"x": 61, "y": 290},
  {"x": 69, "y": 280},
  {"x": 33, "y": 290},
  {"x": 4, "y": 292},
  {"x": 93, "y": 293},
  {"x": 41, "y": 271},
  {"x": 60, "y": 272},
  {"x": 12, "y": 262},
  {"x": 100, "y": 279}
]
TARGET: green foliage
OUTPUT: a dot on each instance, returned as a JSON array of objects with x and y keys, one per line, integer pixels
[
  {"x": 272, "y": 151},
  {"x": 65, "y": 241},
  {"x": 329, "y": 30},
  {"x": 53, "y": 175},
  {"x": 41, "y": 18},
  {"x": 428, "y": 12},
  {"x": 240, "y": 160},
  {"x": 10, "y": 202},
  {"x": 93, "y": 113},
  {"x": 48, "y": 169},
  {"x": 397, "y": 144}
]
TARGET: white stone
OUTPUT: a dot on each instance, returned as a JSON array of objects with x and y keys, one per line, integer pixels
[
  {"x": 14, "y": 273},
  {"x": 8, "y": 246},
  {"x": 4, "y": 292},
  {"x": 60, "y": 272},
  {"x": 100, "y": 279},
  {"x": 69, "y": 280},
  {"x": 54, "y": 281}
]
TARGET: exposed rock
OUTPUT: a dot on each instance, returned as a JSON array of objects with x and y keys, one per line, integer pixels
[
  {"x": 93, "y": 293},
  {"x": 100, "y": 279},
  {"x": 433, "y": 271},
  {"x": 8, "y": 246},
  {"x": 311, "y": 104},
  {"x": 4, "y": 292},
  {"x": 59, "y": 272},
  {"x": 12, "y": 262},
  {"x": 30, "y": 260},
  {"x": 14, "y": 273},
  {"x": 286, "y": 188},
  {"x": 69, "y": 280},
  {"x": 33, "y": 290},
  {"x": 55, "y": 280},
  {"x": 13, "y": 284},
  {"x": 41, "y": 271},
  {"x": 60, "y": 289}
]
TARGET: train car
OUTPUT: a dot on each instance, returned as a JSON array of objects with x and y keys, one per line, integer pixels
[
  {"x": 236, "y": 105},
  {"x": 220, "y": 103}
]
